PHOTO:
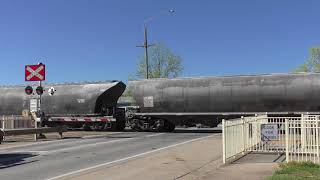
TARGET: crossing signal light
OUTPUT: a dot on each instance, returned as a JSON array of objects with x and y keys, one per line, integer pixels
[
  {"x": 51, "y": 91},
  {"x": 39, "y": 90},
  {"x": 28, "y": 90}
]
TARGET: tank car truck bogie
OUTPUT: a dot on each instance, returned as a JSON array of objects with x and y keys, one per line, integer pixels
[{"x": 149, "y": 123}]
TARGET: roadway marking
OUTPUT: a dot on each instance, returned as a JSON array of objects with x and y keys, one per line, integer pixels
[
  {"x": 87, "y": 145},
  {"x": 100, "y": 143},
  {"x": 153, "y": 135},
  {"x": 31, "y": 152},
  {"x": 67, "y": 142},
  {"x": 99, "y": 136},
  {"x": 127, "y": 158},
  {"x": 33, "y": 143}
]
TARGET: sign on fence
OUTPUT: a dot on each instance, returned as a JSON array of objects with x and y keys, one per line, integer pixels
[{"x": 269, "y": 132}]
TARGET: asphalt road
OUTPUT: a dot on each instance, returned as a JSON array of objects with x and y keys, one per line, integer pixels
[{"x": 53, "y": 160}]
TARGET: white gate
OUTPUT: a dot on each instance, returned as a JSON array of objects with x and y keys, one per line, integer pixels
[{"x": 297, "y": 137}]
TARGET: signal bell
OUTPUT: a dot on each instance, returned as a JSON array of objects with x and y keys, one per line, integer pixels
[
  {"x": 28, "y": 90},
  {"x": 39, "y": 90}
]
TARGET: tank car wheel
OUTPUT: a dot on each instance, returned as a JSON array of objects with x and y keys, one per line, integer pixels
[
  {"x": 137, "y": 129},
  {"x": 99, "y": 127},
  {"x": 172, "y": 127},
  {"x": 86, "y": 127},
  {"x": 169, "y": 126},
  {"x": 120, "y": 125},
  {"x": 134, "y": 124}
]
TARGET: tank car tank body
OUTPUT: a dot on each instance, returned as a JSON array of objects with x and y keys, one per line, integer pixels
[
  {"x": 208, "y": 99},
  {"x": 73, "y": 99}
]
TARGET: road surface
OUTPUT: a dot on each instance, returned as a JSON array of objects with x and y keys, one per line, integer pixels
[{"x": 61, "y": 158}]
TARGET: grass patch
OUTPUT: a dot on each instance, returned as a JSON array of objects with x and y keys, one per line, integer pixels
[{"x": 297, "y": 171}]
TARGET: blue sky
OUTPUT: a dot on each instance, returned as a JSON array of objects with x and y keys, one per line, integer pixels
[{"x": 82, "y": 40}]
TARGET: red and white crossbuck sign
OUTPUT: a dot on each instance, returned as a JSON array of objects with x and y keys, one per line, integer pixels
[{"x": 35, "y": 72}]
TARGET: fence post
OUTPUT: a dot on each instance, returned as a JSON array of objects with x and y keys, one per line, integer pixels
[
  {"x": 223, "y": 142},
  {"x": 35, "y": 126},
  {"x": 303, "y": 130},
  {"x": 243, "y": 136},
  {"x": 317, "y": 137},
  {"x": 12, "y": 122},
  {"x": 3, "y": 122},
  {"x": 287, "y": 139}
]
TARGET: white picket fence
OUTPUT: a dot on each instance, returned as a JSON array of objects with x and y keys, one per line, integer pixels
[
  {"x": 297, "y": 137},
  {"x": 16, "y": 122}
]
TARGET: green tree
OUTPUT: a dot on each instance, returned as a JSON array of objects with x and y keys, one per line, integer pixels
[
  {"x": 313, "y": 63},
  {"x": 162, "y": 62},
  {"x": 302, "y": 68}
]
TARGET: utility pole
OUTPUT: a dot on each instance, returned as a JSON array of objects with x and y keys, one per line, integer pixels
[
  {"x": 145, "y": 44},
  {"x": 146, "y": 49}
]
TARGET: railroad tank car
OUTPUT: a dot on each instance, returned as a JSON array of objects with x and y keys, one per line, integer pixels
[
  {"x": 202, "y": 99},
  {"x": 73, "y": 99}
]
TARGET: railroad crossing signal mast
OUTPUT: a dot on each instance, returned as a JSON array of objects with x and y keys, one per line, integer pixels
[{"x": 36, "y": 73}]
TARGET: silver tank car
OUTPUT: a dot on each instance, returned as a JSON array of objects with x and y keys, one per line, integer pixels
[
  {"x": 75, "y": 99},
  {"x": 206, "y": 98},
  {"x": 68, "y": 99}
]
